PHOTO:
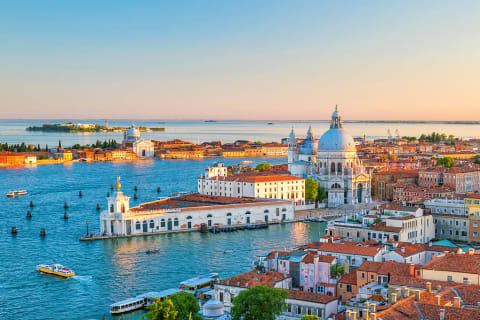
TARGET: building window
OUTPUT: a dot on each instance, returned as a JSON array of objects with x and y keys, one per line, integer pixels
[
  {"x": 363, "y": 275},
  {"x": 475, "y": 224},
  {"x": 175, "y": 222},
  {"x": 162, "y": 223},
  {"x": 152, "y": 224},
  {"x": 299, "y": 310},
  {"x": 371, "y": 277},
  {"x": 137, "y": 225},
  {"x": 221, "y": 296},
  {"x": 349, "y": 288},
  {"x": 475, "y": 234},
  {"x": 449, "y": 278}
]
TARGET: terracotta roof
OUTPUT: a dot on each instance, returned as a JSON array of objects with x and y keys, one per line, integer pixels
[
  {"x": 350, "y": 278},
  {"x": 406, "y": 249},
  {"x": 403, "y": 218},
  {"x": 395, "y": 268},
  {"x": 253, "y": 278},
  {"x": 353, "y": 248},
  {"x": 382, "y": 226},
  {"x": 370, "y": 266},
  {"x": 465, "y": 263},
  {"x": 398, "y": 280},
  {"x": 310, "y": 296}
]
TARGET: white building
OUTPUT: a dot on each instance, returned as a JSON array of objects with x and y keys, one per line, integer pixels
[
  {"x": 143, "y": 148},
  {"x": 447, "y": 206},
  {"x": 333, "y": 163},
  {"x": 187, "y": 213},
  {"x": 216, "y": 182}
]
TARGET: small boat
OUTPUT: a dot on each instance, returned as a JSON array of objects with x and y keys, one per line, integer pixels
[
  {"x": 152, "y": 251},
  {"x": 270, "y": 123},
  {"x": 13, "y": 194},
  {"x": 246, "y": 162},
  {"x": 56, "y": 269}
]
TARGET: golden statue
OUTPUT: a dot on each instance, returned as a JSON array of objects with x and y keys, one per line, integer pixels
[{"x": 118, "y": 185}]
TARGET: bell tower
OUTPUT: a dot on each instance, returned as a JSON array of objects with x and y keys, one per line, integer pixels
[{"x": 118, "y": 203}]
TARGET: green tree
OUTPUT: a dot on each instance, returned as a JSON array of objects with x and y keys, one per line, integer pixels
[
  {"x": 258, "y": 303},
  {"x": 309, "y": 317},
  {"x": 187, "y": 306},
  {"x": 322, "y": 194},
  {"x": 311, "y": 189},
  {"x": 263, "y": 166},
  {"x": 445, "y": 161},
  {"x": 161, "y": 310}
]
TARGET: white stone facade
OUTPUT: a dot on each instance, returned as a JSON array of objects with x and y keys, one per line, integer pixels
[
  {"x": 120, "y": 220},
  {"x": 334, "y": 164}
]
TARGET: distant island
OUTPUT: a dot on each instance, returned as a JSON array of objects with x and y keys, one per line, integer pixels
[{"x": 83, "y": 127}]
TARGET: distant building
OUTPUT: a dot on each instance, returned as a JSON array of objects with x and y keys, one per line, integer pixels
[{"x": 143, "y": 148}]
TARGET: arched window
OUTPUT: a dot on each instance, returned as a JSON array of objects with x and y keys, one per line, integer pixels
[
  {"x": 137, "y": 225},
  {"x": 152, "y": 224},
  {"x": 111, "y": 208},
  {"x": 339, "y": 167},
  {"x": 284, "y": 209},
  {"x": 189, "y": 217},
  {"x": 175, "y": 222},
  {"x": 336, "y": 186},
  {"x": 162, "y": 223},
  {"x": 229, "y": 214},
  {"x": 266, "y": 211},
  {"x": 123, "y": 208},
  {"x": 248, "y": 212},
  {"x": 209, "y": 216}
]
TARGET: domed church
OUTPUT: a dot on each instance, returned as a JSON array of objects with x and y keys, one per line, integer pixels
[{"x": 333, "y": 162}]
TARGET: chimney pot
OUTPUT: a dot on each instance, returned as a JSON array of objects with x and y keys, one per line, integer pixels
[
  {"x": 442, "y": 314},
  {"x": 437, "y": 299},
  {"x": 394, "y": 298},
  {"x": 429, "y": 286},
  {"x": 417, "y": 295},
  {"x": 374, "y": 316},
  {"x": 456, "y": 302}
]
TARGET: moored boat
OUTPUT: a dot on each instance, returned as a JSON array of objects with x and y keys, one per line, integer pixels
[
  {"x": 56, "y": 269},
  {"x": 141, "y": 301},
  {"x": 19, "y": 193},
  {"x": 152, "y": 251},
  {"x": 195, "y": 284}
]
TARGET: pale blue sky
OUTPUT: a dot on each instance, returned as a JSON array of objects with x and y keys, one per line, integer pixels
[{"x": 240, "y": 59}]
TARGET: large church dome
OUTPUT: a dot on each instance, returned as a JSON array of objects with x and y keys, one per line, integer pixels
[
  {"x": 336, "y": 138},
  {"x": 133, "y": 132}
]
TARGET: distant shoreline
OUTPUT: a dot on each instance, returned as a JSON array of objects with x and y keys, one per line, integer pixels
[{"x": 467, "y": 122}]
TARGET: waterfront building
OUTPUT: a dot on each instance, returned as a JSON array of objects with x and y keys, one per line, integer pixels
[
  {"x": 217, "y": 182},
  {"x": 187, "y": 213},
  {"x": 11, "y": 159},
  {"x": 63, "y": 154},
  {"x": 144, "y": 149},
  {"x": 333, "y": 162},
  {"x": 273, "y": 149}
]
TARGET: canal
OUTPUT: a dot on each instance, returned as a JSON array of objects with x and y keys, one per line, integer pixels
[{"x": 111, "y": 270}]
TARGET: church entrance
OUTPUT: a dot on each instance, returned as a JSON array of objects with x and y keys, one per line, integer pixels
[{"x": 359, "y": 193}]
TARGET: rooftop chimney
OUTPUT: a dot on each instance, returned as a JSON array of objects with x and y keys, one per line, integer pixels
[
  {"x": 456, "y": 302},
  {"x": 228, "y": 282},
  {"x": 412, "y": 270},
  {"x": 393, "y": 298},
  {"x": 418, "y": 295},
  {"x": 406, "y": 292},
  {"x": 374, "y": 316},
  {"x": 374, "y": 308},
  {"x": 429, "y": 287},
  {"x": 466, "y": 281},
  {"x": 437, "y": 299},
  {"x": 442, "y": 314},
  {"x": 365, "y": 313}
]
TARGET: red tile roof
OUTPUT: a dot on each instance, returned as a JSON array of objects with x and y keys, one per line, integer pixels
[
  {"x": 310, "y": 296},
  {"x": 350, "y": 278},
  {"x": 348, "y": 247},
  {"x": 253, "y": 278},
  {"x": 464, "y": 263}
]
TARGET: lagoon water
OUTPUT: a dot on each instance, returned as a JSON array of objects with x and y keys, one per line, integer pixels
[
  {"x": 111, "y": 270},
  {"x": 13, "y": 131}
]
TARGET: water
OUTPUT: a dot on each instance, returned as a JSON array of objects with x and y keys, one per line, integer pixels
[
  {"x": 111, "y": 270},
  {"x": 13, "y": 131}
]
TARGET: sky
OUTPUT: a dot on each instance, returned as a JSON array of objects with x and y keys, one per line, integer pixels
[{"x": 240, "y": 60}]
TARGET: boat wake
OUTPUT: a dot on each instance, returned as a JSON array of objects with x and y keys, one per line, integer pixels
[{"x": 83, "y": 278}]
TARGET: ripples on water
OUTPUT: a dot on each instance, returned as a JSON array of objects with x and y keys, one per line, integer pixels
[{"x": 108, "y": 271}]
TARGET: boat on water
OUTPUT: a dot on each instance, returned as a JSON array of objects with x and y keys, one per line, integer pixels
[
  {"x": 197, "y": 284},
  {"x": 141, "y": 301},
  {"x": 56, "y": 269},
  {"x": 152, "y": 251},
  {"x": 246, "y": 162},
  {"x": 19, "y": 193}
]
